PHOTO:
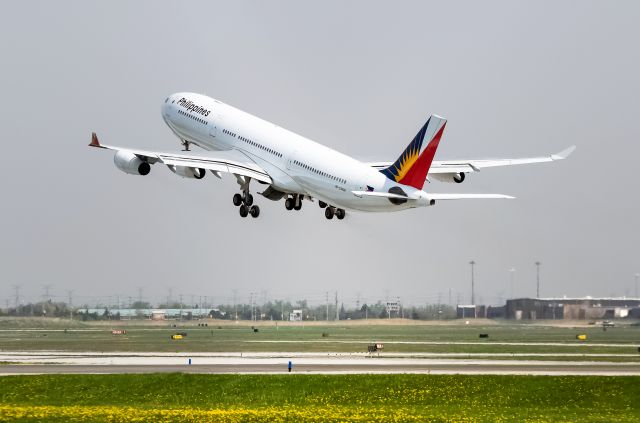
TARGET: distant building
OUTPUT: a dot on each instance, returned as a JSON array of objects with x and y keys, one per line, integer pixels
[
  {"x": 469, "y": 311},
  {"x": 392, "y": 307},
  {"x": 586, "y": 308},
  {"x": 158, "y": 314},
  {"x": 295, "y": 316},
  {"x": 154, "y": 314}
]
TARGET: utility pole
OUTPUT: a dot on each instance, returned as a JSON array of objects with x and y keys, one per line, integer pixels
[
  {"x": 473, "y": 293},
  {"x": 235, "y": 306},
  {"x": 449, "y": 296},
  {"x": 46, "y": 297},
  {"x": 337, "y": 310},
  {"x": 512, "y": 273},
  {"x": 16, "y": 288},
  {"x": 180, "y": 307},
  {"x": 327, "y": 295},
  {"x": 252, "y": 309},
  {"x": 70, "y": 302},
  {"x": 537, "y": 263},
  {"x": 636, "y": 287},
  {"x": 140, "y": 297}
]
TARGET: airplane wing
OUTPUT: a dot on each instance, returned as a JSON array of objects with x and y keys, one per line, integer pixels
[
  {"x": 446, "y": 170},
  {"x": 231, "y": 161}
]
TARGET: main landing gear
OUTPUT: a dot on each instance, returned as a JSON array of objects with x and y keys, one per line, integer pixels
[
  {"x": 331, "y": 211},
  {"x": 294, "y": 202},
  {"x": 244, "y": 200}
]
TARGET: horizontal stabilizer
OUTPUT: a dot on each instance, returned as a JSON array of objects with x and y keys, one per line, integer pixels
[
  {"x": 434, "y": 196},
  {"x": 361, "y": 194}
]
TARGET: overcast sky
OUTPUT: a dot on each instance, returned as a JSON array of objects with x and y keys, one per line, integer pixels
[{"x": 513, "y": 78}]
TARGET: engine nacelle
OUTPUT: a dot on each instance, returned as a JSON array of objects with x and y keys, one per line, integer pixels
[
  {"x": 129, "y": 163},
  {"x": 188, "y": 172},
  {"x": 273, "y": 194},
  {"x": 457, "y": 177}
]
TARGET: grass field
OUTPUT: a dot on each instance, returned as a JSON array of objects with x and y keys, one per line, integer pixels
[
  {"x": 41, "y": 334},
  {"x": 182, "y": 397}
]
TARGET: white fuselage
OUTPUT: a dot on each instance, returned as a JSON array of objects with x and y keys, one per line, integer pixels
[{"x": 296, "y": 164}]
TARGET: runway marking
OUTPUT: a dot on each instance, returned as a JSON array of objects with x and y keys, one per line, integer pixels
[
  {"x": 524, "y": 344},
  {"x": 7, "y": 355}
]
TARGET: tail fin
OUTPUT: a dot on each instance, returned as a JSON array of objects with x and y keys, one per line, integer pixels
[{"x": 412, "y": 166}]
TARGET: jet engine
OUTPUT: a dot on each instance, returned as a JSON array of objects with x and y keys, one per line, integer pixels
[
  {"x": 188, "y": 172},
  {"x": 457, "y": 177},
  {"x": 130, "y": 163}
]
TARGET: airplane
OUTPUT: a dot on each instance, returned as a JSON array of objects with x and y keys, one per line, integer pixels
[{"x": 295, "y": 168}]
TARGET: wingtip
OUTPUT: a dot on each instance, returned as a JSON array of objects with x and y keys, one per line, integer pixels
[
  {"x": 564, "y": 153},
  {"x": 94, "y": 140}
]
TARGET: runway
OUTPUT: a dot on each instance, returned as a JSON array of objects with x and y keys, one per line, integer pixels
[{"x": 303, "y": 363}]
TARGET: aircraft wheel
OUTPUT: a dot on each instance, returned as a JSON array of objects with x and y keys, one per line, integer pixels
[
  {"x": 237, "y": 199},
  {"x": 340, "y": 214},
  {"x": 328, "y": 213},
  {"x": 288, "y": 203},
  {"x": 248, "y": 200},
  {"x": 298, "y": 207},
  {"x": 255, "y": 211},
  {"x": 322, "y": 204},
  {"x": 244, "y": 211}
]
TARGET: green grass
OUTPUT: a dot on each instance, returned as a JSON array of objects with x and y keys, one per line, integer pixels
[
  {"x": 347, "y": 338},
  {"x": 320, "y": 397}
]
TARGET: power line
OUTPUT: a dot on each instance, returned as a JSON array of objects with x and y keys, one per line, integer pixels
[
  {"x": 473, "y": 294},
  {"x": 537, "y": 263},
  {"x": 327, "y": 305}
]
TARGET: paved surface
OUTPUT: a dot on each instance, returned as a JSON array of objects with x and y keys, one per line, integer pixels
[
  {"x": 338, "y": 368},
  {"x": 105, "y": 363}
]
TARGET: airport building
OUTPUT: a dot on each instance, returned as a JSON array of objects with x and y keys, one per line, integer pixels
[
  {"x": 586, "y": 308},
  {"x": 152, "y": 314},
  {"x": 480, "y": 312}
]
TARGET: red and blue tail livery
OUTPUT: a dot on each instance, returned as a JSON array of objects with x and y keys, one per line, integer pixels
[{"x": 412, "y": 166}]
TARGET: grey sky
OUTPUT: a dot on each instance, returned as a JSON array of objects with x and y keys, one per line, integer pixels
[{"x": 513, "y": 78}]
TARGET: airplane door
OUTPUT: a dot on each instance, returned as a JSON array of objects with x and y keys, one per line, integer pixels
[
  {"x": 213, "y": 129},
  {"x": 292, "y": 157}
]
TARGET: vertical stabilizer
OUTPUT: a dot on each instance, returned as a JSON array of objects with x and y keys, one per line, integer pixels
[{"x": 412, "y": 166}]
